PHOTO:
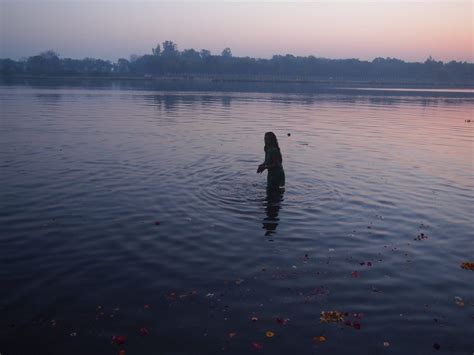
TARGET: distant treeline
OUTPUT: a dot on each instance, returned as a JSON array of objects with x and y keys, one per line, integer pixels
[{"x": 167, "y": 60}]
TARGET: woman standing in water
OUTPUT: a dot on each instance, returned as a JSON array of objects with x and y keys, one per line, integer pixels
[{"x": 273, "y": 162}]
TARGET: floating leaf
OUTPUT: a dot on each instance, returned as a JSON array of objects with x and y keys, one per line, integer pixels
[
  {"x": 468, "y": 266},
  {"x": 270, "y": 334}
]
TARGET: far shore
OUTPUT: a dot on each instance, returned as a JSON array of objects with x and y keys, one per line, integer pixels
[{"x": 234, "y": 83}]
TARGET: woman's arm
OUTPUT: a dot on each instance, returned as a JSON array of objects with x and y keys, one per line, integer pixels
[{"x": 275, "y": 163}]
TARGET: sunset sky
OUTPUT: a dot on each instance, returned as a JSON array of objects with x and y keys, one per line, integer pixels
[{"x": 112, "y": 29}]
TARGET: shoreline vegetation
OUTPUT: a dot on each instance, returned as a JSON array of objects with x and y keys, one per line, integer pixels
[{"x": 167, "y": 64}]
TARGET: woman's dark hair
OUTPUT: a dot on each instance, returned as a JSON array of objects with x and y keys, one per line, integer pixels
[{"x": 272, "y": 142}]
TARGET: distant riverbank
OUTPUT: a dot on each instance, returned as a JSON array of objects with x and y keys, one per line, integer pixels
[{"x": 232, "y": 83}]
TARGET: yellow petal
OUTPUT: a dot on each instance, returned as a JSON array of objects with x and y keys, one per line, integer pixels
[{"x": 269, "y": 334}]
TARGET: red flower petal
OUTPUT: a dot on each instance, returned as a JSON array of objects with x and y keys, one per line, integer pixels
[
  {"x": 282, "y": 321},
  {"x": 119, "y": 340}
]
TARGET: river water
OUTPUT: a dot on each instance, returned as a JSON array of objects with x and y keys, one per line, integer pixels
[{"x": 139, "y": 213}]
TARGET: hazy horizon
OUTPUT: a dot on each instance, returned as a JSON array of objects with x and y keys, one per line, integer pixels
[{"x": 107, "y": 29}]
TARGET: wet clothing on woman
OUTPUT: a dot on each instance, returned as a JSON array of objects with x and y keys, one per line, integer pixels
[{"x": 276, "y": 174}]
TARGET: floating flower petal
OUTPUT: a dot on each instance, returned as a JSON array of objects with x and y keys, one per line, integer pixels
[{"x": 331, "y": 317}]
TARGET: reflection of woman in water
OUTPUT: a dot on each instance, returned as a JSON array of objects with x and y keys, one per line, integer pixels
[
  {"x": 272, "y": 208},
  {"x": 273, "y": 162}
]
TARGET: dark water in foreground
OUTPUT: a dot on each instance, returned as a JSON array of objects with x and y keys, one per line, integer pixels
[{"x": 375, "y": 221}]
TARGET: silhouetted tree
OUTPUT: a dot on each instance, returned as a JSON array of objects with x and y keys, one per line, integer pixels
[
  {"x": 170, "y": 61},
  {"x": 9, "y": 67},
  {"x": 123, "y": 66},
  {"x": 46, "y": 62},
  {"x": 170, "y": 49},
  {"x": 226, "y": 53},
  {"x": 156, "y": 50},
  {"x": 204, "y": 53}
]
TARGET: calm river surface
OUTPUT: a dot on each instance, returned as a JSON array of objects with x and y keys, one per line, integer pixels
[{"x": 375, "y": 222}]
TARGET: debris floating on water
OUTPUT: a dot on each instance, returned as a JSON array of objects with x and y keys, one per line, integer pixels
[
  {"x": 468, "y": 266},
  {"x": 270, "y": 334},
  {"x": 421, "y": 236},
  {"x": 319, "y": 339},
  {"x": 331, "y": 317},
  {"x": 459, "y": 301},
  {"x": 282, "y": 321},
  {"x": 119, "y": 339}
]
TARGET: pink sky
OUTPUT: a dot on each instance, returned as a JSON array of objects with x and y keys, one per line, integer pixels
[{"x": 334, "y": 29}]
